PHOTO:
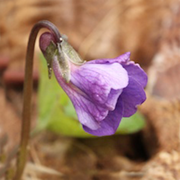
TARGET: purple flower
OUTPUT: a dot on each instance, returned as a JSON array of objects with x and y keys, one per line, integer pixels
[{"x": 102, "y": 91}]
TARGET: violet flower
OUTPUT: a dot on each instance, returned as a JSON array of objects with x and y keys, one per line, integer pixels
[{"x": 102, "y": 91}]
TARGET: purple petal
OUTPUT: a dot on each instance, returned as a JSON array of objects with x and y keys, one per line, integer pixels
[
  {"x": 85, "y": 109},
  {"x": 113, "y": 98},
  {"x": 100, "y": 82},
  {"x": 137, "y": 73},
  {"x": 44, "y": 40},
  {"x": 88, "y": 113},
  {"x": 132, "y": 96},
  {"x": 110, "y": 124},
  {"x": 124, "y": 58}
]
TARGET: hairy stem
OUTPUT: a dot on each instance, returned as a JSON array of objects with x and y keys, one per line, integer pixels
[{"x": 26, "y": 113}]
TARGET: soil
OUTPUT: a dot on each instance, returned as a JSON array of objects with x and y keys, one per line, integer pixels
[{"x": 149, "y": 29}]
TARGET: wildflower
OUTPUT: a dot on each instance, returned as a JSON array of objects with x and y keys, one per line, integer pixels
[{"x": 102, "y": 91}]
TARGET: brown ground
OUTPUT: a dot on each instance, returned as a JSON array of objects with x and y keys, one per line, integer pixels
[{"x": 150, "y": 30}]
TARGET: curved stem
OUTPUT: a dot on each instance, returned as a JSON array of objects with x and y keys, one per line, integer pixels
[{"x": 26, "y": 113}]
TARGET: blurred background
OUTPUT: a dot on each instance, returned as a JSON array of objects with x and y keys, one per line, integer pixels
[{"x": 149, "y": 29}]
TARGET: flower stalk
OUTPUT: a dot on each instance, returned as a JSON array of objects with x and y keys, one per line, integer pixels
[
  {"x": 103, "y": 91},
  {"x": 26, "y": 112}
]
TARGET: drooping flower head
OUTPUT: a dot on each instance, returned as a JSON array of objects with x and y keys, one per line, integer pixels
[{"x": 102, "y": 91}]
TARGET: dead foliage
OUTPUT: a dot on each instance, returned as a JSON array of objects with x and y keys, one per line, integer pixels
[{"x": 97, "y": 29}]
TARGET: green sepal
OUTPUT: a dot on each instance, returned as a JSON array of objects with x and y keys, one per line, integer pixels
[
  {"x": 49, "y": 54},
  {"x": 70, "y": 53}
]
